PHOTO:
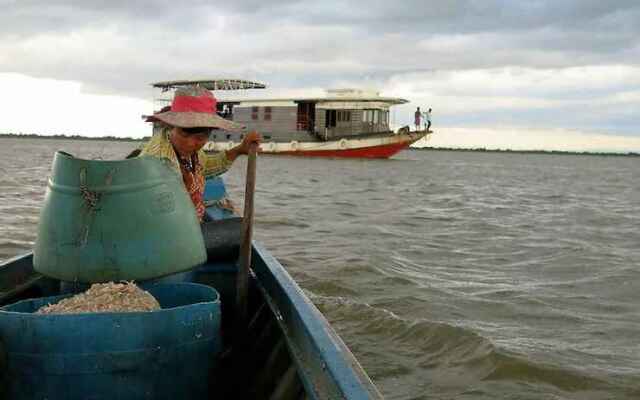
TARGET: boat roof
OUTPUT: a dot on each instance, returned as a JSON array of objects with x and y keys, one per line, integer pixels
[
  {"x": 389, "y": 100},
  {"x": 332, "y": 95},
  {"x": 211, "y": 84}
]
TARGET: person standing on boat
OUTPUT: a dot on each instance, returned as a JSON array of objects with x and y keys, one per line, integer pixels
[
  {"x": 417, "y": 118},
  {"x": 188, "y": 123},
  {"x": 427, "y": 120}
]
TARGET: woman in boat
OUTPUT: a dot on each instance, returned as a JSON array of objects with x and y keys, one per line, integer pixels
[{"x": 188, "y": 123}]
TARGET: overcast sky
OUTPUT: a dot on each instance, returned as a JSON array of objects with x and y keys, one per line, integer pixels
[{"x": 501, "y": 74}]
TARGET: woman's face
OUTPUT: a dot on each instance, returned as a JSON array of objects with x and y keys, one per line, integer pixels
[{"x": 188, "y": 143}]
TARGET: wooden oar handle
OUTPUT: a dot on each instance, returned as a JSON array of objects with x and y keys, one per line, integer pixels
[{"x": 244, "y": 260}]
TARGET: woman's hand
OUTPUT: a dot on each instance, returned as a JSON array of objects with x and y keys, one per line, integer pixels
[
  {"x": 243, "y": 148},
  {"x": 252, "y": 137}
]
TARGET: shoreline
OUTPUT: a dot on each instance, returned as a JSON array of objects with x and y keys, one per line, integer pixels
[
  {"x": 71, "y": 137},
  {"x": 548, "y": 152}
]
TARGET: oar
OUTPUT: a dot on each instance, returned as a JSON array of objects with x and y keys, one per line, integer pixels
[
  {"x": 232, "y": 362},
  {"x": 244, "y": 260}
]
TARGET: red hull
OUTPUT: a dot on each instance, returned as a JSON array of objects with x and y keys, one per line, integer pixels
[{"x": 382, "y": 151}]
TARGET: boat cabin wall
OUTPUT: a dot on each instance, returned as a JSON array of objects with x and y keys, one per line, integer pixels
[
  {"x": 267, "y": 118},
  {"x": 336, "y": 124},
  {"x": 275, "y": 123},
  {"x": 305, "y": 122}
]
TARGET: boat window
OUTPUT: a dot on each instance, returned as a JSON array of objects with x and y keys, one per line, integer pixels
[
  {"x": 344, "y": 116},
  {"x": 330, "y": 118},
  {"x": 267, "y": 113},
  {"x": 226, "y": 111},
  {"x": 368, "y": 116},
  {"x": 254, "y": 113}
]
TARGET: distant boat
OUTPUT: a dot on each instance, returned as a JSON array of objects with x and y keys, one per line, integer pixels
[{"x": 351, "y": 123}]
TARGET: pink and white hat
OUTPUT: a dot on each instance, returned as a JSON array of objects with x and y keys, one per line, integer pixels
[{"x": 194, "y": 107}]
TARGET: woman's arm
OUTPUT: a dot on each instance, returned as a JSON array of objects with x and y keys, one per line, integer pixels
[{"x": 219, "y": 163}]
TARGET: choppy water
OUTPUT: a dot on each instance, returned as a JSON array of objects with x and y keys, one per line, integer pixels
[{"x": 450, "y": 275}]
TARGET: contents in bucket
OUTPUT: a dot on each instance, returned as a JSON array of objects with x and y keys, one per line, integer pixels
[{"x": 105, "y": 297}]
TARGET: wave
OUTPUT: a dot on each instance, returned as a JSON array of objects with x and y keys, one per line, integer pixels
[{"x": 437, "y": 355}]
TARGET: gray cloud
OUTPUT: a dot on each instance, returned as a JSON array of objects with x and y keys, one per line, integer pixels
[
  {"x": 120, "y": 46},
  {"x": 380, "y": 35}
]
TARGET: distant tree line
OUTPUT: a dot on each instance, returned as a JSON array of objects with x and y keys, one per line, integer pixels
[
  {"x": 71, "y": 137},
  {"x": 558, "y": 152}
]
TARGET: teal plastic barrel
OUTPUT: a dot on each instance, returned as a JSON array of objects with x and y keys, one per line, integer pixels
[
  {"x": 116, "y": 220},
  {"x": 164, "y": 354}
]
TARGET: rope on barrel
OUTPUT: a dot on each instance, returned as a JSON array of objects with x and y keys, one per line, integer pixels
[{"x": 91, "y": 200}]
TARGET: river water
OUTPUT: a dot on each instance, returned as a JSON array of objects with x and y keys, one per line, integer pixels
[{"x": 450, "y": 275}]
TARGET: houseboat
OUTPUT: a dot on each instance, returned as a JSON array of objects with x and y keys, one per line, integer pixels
[{"x": 343, "y": 123}]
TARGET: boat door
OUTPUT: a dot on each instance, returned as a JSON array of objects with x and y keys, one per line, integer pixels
[
  {"x": 330, "y": 123},
  {"x": 306, "y": 120}
]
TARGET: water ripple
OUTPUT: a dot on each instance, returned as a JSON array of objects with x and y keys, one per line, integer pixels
[{"x": 450, "y": 275}]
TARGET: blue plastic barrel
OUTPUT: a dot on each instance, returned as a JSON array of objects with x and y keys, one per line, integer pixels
[{"x": 164, "y": 354}]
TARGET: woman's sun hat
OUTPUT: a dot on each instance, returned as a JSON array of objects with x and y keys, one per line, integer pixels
[{"x": 194, "y": 107}]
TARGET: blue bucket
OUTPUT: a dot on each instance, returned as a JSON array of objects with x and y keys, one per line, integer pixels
[{"x": 164, "y": 354}]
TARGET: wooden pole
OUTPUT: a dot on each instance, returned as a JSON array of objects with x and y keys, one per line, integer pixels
[{"x": 244, "y": 259}]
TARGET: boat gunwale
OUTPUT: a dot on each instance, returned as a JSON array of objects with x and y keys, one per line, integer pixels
[
  {"x": 345, "y": 376},
  {"x": 23, "y": 279}
]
